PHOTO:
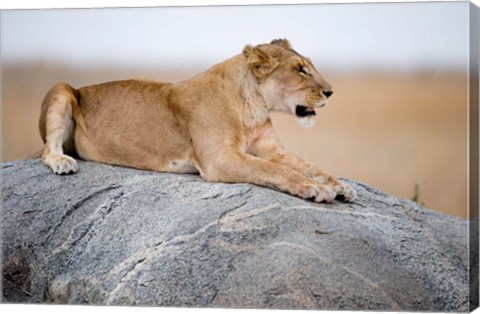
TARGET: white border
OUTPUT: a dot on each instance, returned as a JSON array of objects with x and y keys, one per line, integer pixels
[{"x": 45, "y": 4}]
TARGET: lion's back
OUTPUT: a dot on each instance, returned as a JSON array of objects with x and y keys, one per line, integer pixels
[{"x": 120, "y": 96}]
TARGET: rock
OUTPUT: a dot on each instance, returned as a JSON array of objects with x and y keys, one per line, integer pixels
[{"x": 119, "y": 236}]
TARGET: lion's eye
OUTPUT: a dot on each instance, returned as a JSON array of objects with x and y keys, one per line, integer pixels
[{"x": 302, "y": 70}]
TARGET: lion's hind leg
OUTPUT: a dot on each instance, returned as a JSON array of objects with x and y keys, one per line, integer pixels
[{"x": 56, "y": 127}]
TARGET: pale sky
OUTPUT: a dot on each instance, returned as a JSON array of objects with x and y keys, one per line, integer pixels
[{"x": 343, "y": 36}]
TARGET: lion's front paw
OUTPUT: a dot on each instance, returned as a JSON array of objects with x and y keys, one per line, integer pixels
[
  {"x": 319, "y": 193},
  {"x": 345, "y": 192},
  {"x": 326, "y": 194}
]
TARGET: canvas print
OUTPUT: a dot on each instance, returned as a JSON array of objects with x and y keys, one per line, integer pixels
[{"x": 320, "y": 156}]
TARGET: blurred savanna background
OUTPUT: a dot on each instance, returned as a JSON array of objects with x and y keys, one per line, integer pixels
[{"x": 397, "y": 119}]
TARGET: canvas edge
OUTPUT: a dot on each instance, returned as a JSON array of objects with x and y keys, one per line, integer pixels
[{"x": 473, "y": 121}]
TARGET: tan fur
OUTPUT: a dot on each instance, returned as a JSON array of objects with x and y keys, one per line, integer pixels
[{"x": 216, "y": 123}]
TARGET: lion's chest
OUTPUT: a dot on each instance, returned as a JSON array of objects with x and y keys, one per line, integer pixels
[{"x": 252, "y": 135}]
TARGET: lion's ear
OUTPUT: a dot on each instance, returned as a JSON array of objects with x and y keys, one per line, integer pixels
[
  {"x": 282, "y": 43},
  {"x": 259, "y": 62}
]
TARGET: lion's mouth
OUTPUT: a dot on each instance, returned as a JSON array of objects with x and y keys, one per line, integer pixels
[{"x": 304, "y": 111}]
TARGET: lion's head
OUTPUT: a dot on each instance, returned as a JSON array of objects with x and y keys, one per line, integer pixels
[{"x": 289, "y": 81}]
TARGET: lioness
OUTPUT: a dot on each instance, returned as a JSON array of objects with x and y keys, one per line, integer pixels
[{"x": 216, "y": 123}]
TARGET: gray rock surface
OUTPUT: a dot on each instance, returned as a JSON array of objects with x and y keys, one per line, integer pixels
[{"x": 112, "y": 235}]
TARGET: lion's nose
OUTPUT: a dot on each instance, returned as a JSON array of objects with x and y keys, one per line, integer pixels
[{"x": 327, "y": 93}]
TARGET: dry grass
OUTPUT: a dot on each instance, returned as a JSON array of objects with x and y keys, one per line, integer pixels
[{"x": 393, "y": 131}]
